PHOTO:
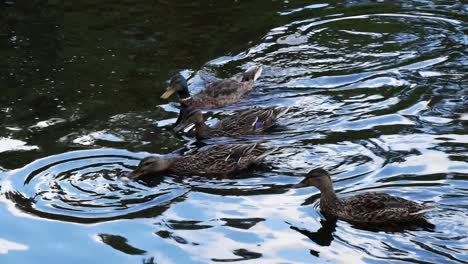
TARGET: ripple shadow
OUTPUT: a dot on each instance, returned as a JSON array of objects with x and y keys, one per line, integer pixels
[{"x": 83, "y": 187}]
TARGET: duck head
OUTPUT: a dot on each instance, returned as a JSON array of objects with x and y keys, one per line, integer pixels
[
  {"x": 188, "y": 115},
  {"x": 149, "y": 165},
  {"x": 319, "y": 178},
  {"x": 178, "y": 84}
]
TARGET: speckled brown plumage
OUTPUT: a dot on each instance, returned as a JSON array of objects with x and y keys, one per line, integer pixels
[
  {"x": 216, "y": 93},
  {"x": 246, "y": 122},
  {"x": 220, "y": 93},
  {"x": 365, "y": 208},
  {"x": 217, "y": 161},
  {"x": 378, "y": 208}
]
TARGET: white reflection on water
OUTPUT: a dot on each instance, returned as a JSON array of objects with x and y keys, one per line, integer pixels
[
  {"x": 9, "y": 144},
  {"x": 89, "y": 139},
  {"x": 48, "y": 123},
  {"x": 6, "y": 246},
  {"x": 272, "y": 238}
]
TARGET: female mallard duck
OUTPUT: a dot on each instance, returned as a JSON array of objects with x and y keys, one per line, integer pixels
[
  {"x": 365, "y": 208},
  {"x": 244, "y": 122},
  {"x": 218, "y": 160},
  {"x": 217, "y": 93}
]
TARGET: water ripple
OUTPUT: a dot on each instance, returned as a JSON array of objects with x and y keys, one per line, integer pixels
[
  {"x": 83, "y": 186},
  {"x": 377, "y": 96}
]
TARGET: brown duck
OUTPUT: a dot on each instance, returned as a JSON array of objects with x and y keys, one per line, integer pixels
[
  {"x": 216, "y": 161},
  {"x": 365, "y": 208},
  {"x": 246, "y": 122},
  {"x": 217, "y": 93}
]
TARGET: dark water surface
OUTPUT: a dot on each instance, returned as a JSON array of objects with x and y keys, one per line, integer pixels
[{"x": 377, "y": 90}]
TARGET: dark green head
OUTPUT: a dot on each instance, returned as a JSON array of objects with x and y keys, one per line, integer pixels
[{"x": 178, "y": 84}]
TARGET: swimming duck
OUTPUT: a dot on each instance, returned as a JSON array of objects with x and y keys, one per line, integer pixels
[
  {"x": 245, "y": 122},
  {"x": 365, "y": 208},
  {"x": 217, "y": 161},
  {"x": 217, "y": 93}
]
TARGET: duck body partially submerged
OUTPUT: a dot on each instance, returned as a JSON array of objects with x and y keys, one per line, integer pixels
[
  {"x": 371, "y": 208},
  {"x": 216, "y": 93},
  {"x": 246, "y": 122},
  {"x": 378, "y": 208},
  {"x": 215, "y": 161}
]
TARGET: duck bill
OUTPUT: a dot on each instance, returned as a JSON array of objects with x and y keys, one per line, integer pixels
[
  {"x": 300, "y": 185},
  {"x": 170, "y": 90},
  {"x": 132, "y": 175}
]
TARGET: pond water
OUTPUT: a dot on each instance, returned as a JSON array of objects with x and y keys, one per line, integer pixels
[{"x": 377, "y": 91}]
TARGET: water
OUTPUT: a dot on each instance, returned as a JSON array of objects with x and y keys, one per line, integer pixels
[{"x": 377, "y": 91}]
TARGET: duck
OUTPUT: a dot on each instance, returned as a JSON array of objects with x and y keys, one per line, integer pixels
[
  {"x": 369, "y": 208},
  {"x": 217, "y": 93},
  {"x": 224, "y": 160},
  {"x": 244, "y": 122}
]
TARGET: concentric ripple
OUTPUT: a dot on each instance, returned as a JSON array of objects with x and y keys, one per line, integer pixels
[{"x": 83, "y": 186}]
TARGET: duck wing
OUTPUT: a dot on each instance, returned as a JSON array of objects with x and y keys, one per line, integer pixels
[
  {"x": 373, "y": 207},
  {"x": 252, "y": 120},
  {"x": 224, "y": 159},
  {"x": 223, "y": 88}
]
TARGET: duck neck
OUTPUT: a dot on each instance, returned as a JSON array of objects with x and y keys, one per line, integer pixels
[
  {"x": 328, "y": 198},
  {"x": 203, "y": 130},
  {"x": 165, "y": 165},
  {"x": 184, "y": 94},
  {"x": 172, "y": 165}
]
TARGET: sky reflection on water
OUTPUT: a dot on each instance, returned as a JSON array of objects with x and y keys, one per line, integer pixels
[{"x": 377, "y": 93}]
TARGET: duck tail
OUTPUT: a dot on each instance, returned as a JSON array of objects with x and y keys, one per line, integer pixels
[
  {"x": 423, "y": 211},
  {"x": 252, "y": 74},
  {"x": 266, "y": 153},
  {"x": 280, "y": 111}
]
